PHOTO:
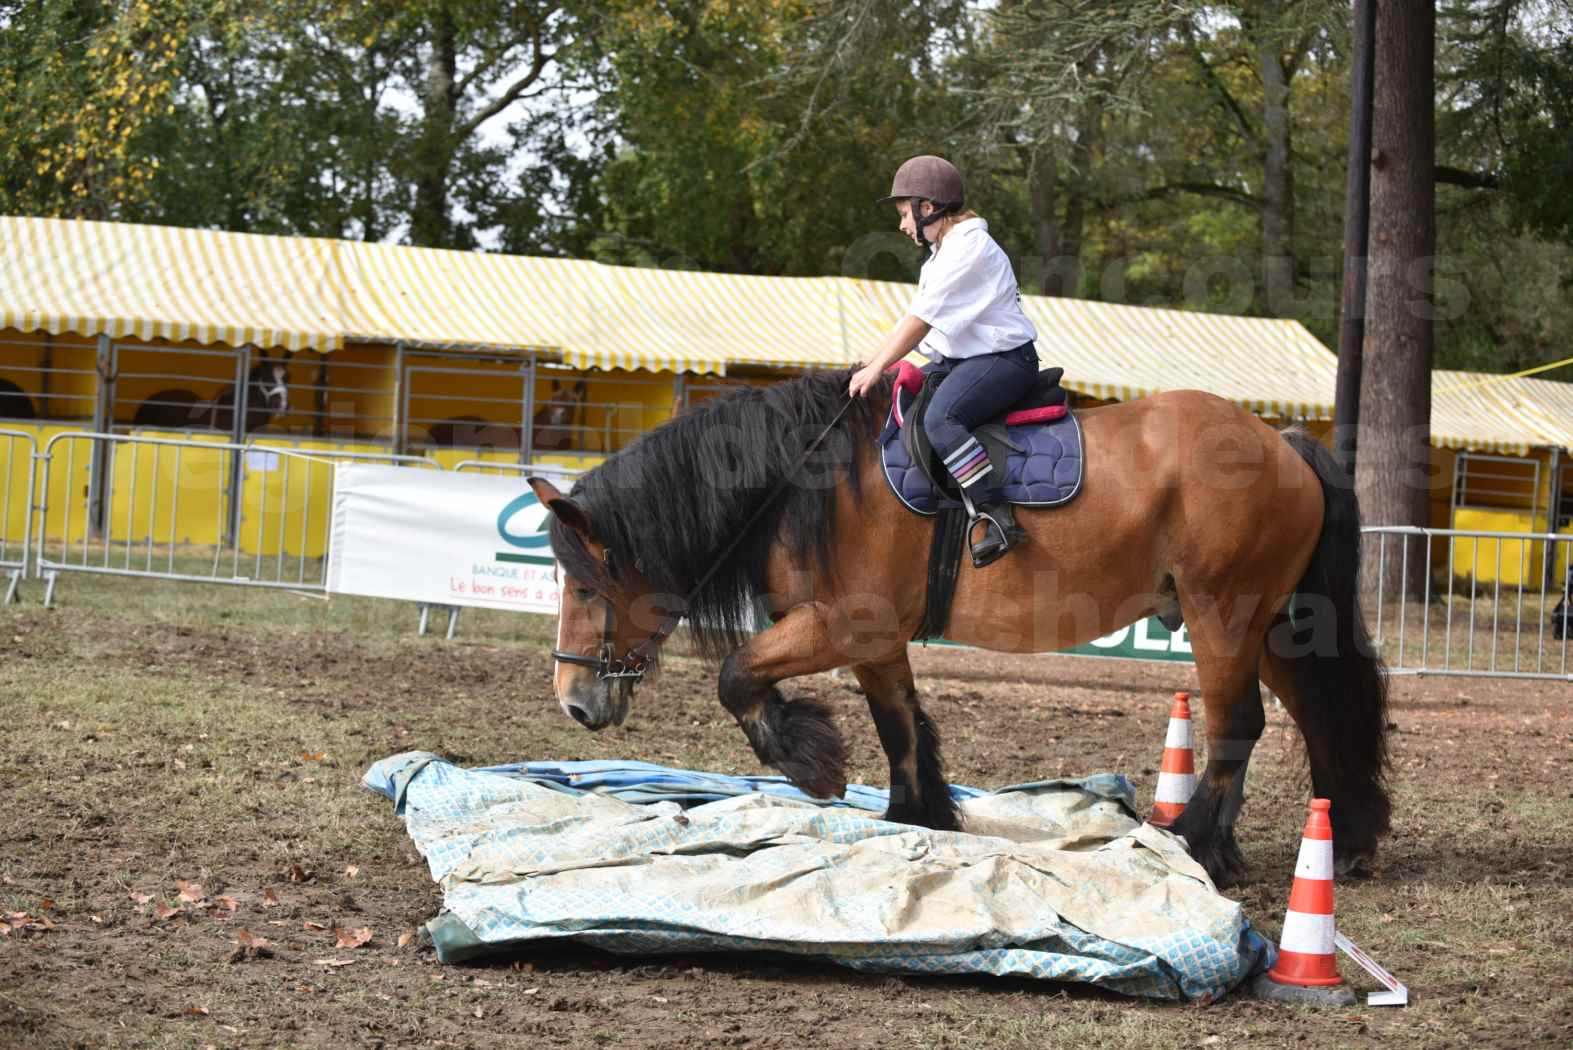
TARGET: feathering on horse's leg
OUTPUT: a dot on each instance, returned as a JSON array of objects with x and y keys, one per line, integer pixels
[
  {"x": 799, "y": 738},
  {"x": 1339, "y": 772},
  {"x": 1226, "y": 637},
  {"x": 919, "y": 792}
]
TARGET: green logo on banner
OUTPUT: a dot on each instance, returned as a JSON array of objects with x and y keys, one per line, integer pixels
[{"x": 528, "y": 539}]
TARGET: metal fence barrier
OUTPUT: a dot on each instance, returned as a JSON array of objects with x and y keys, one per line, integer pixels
[
  {"x": 1473, "y": 603},
  {"x": 1462, "y": 602},
  {"x": 18, "y": 463},
  {"x": 206, "y": 511}
]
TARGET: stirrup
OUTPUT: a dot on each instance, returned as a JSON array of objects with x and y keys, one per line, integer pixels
[{"x": 1001, "y": 533}]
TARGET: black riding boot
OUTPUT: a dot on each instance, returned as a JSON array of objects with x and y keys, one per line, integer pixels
[{"x": 1000, "y": 533}]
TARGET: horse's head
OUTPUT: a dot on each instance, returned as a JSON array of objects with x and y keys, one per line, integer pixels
[
  {"x": 610, "y": 623},
  {"x": 270, "y": 386},
  {"x": 554, "y": 420}
]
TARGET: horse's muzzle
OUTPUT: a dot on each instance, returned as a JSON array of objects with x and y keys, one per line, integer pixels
[{"x": 599, "y": 704}]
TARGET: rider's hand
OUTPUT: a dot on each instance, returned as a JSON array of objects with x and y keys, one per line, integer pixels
[{"x": 863, "y": 380}]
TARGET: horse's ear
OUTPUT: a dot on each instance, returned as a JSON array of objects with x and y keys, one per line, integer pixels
[{"x": 567, "y": 511}]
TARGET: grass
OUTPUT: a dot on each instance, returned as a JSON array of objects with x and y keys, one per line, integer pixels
[{"x": 156, "y": 732}]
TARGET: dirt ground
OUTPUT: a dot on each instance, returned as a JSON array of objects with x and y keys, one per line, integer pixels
[{"x": 180, "y": 766}]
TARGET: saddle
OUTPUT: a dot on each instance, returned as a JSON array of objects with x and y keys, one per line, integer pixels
[{"x": 1035, "y": 448}]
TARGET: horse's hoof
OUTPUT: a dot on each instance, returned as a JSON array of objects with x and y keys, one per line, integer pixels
[
  {"x": 824, "y": 788},
  {"x": 1353, "y": 865}
]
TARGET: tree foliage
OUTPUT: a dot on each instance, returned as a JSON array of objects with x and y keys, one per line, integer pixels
[{"x": 1173, "y": 152}]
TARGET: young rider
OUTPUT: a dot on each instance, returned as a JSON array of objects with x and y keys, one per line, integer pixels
[{"x": 966, "y": 318}]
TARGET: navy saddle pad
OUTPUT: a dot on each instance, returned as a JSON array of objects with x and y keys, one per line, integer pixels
[{"x": 1043, "y": 467}]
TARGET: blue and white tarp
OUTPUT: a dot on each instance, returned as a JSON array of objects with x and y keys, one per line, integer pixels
[{"x": 1056, "y": 880}]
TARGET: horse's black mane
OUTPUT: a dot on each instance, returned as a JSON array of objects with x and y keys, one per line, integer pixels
[{"x": 671, "y": 502}]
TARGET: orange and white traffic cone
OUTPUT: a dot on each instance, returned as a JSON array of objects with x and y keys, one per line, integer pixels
[
  {"x": 1177, "y": 772},
  {"x": 1306, "y": 969}
]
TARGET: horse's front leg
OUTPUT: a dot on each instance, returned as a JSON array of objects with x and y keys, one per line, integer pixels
[
  {"x": 919, "y": 793},
  {"x": 799, "y": 738}
]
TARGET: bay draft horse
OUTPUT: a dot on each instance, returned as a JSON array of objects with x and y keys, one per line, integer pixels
[{"x": 1191, "y": 507}]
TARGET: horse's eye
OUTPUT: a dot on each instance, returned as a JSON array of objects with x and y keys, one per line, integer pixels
[{"x": 584, "y": 594}]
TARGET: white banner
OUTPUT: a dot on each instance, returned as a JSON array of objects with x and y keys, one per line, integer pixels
[{"x": 440, "y": 537}]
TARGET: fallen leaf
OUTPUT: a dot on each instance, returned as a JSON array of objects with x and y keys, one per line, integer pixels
[
  {"x": 406, "y": 938},
  {"x": 223, "y": 907},
  {"x": 309, "y": 925},
  {"x": 47, "y": 904},
  {"x": 297, "y": 873},
  {"x": 480, "y": 1012},
  {"x": 191, "y": 891},
  {"x": 162, "y": 911},
  {"x": 351, "y": 938},
  {"x": 313, "y": 756},
  {"x": 139, "y": 898},
  {"x": 270, "y": 899},
  {"x": 352, "y": 871},
  {"x": 98, "y": 920},
  {"x": 250, "y": 947},
  {"x": 333, "y": 962},
  {"x": 196, "y": 1011},
  {"x": 21, "y": 920}
]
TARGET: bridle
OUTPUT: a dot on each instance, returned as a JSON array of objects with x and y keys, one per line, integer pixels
[{"x": 637, "y": 660}]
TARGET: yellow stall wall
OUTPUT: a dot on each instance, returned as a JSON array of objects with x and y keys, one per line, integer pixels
[
  {"x": 1510, "y": 562},
  {"x": 286, "y": 501},
  {"x": 69, "y": 470},
  {"x": 1513, "y": 563},
  {"x": 16, "y": 459},
  {"x": 168, "y": 493},
  {"x": 56, "y": 372}
]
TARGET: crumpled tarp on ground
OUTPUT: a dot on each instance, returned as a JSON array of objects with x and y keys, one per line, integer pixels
[{"x": 1055, "y": 880}]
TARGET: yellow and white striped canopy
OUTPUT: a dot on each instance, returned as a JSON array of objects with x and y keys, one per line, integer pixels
[
  {"x": 153, "y": 282},
  {"x": 160, "y": 282},
  {"x": 1500, "y": 413}
]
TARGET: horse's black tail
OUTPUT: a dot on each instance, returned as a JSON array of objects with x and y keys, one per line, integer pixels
[{"x": 1340, "y": 679}]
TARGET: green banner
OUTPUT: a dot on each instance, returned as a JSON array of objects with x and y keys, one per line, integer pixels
[{"x": 1143, "y": 640}]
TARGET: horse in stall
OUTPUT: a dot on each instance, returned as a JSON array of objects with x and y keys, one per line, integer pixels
[
  {"x": 267, "y": 395},
  {"x": 553, "y": 427},
  {"x": 14, "y": 402},
  {"x": 1192, "y": 508}
]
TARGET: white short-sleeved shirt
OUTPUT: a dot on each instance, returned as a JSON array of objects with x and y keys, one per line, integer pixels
[{"x": 967, "y": 293}]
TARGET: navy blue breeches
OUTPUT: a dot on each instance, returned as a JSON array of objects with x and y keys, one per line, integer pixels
[{"x": 974, "y": 391}]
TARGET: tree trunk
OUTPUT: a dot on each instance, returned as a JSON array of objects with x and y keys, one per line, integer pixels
[
  {"x": 1392, "y": 476},
  {"x": 1278, "y": 265},
  {"x": 1044, "y": 199},
  {"x": 430, "y": 224},
  {"x": 1083, "y": 154}
]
